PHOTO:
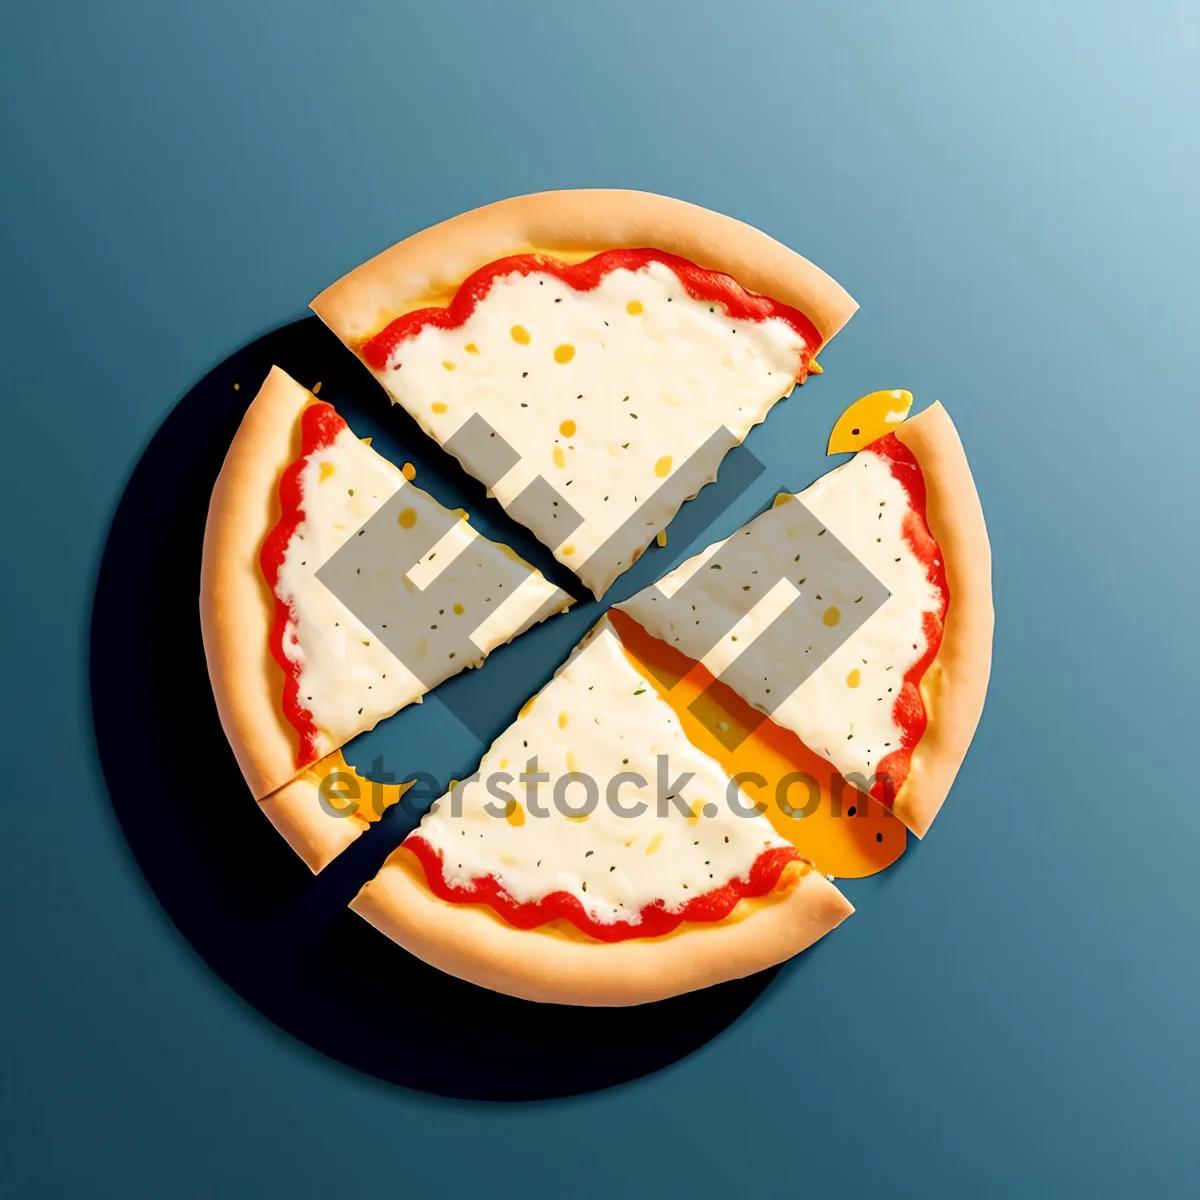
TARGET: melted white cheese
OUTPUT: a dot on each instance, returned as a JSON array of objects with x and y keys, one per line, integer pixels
[
  {"x": 864, "y": 504},
  {"x": 599, "y": 717},
  {"x": 349, "y": 680},
  {"x": 844, "y": 710},
  {"x": 602, "y": 393}
]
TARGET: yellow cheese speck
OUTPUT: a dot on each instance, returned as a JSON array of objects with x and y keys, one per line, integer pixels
[
  {"x": 514, "y": 814},
  {"x": 316, "y": 388},
  {"x": 832, "y": 615},
  {"x": 562, "y": 720},
  {"x": 815, "y": 368},
  {"x": 458, "y": 610},
  {"x": 696, "y": 813},
  {"x": 520, "y": 335},
  {"x": 471, "y": 348},
  {"x": 237, "y": 387},
  {"x": 564, "y": 353},
  {"x": 662, "y": 468},
  {"x": 634, "y": 308},
  {"x": 572, "y": 762},
  {"x": 527, "y": 707},
  {"x": 568, "y": 551},
  {"x": 408, "y": 471},
  {"x": 448, "y": 365},
  {"x": 560, "y": 459},
  {"x": 438, "y": 406},
  {"x": 327, "y": 469},
  {"x": 503, "y": 763},
  {"x": 407, "y": 519},
  {"x": 580, "y": 818},
  {"x": 854, "y": 678},
  {"x": 365, "y": 441},
  {"x": 661, "y": 537},
  {"x": 654, "y": 843},
  {"x": 422, "y": 649},
  {"x": 567, "y": 428}
]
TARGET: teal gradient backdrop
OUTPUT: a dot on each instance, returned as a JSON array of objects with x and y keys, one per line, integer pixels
[{"x": 1011, "y": 193}]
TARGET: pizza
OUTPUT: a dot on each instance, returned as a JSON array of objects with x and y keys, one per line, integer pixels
[
  {"x": 597, "y": 857},
  {"x": 894, "y": 705},
  {"x": 295, "y": 671},
  {"x": 589, "y": 356}
]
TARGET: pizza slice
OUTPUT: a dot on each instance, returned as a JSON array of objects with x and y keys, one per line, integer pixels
[
  {"x": 597, "y": 857},
  {"x": 898, "y": 692},
  {"x": 295, "y": 670},
  {"x": 589, "y": 356}
]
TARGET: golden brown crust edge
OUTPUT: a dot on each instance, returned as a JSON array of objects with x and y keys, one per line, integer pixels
[
  {"x": 316, "y": 835},
  {"x": 428, "y": 266},
  {"x": 236, "y": 606},
  {"x": 956, "y": 682},
  {"x": 470, "y": 942}
]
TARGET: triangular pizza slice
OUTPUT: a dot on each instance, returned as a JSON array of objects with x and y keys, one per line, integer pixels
[
  {"x": 597, "y": 857},
  {"x": 589, "y": 356},
  {"x": 887, "y": 689},
  {"x": 301, "y": 662}
]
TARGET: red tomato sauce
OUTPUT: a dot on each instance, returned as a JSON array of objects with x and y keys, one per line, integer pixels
[
  {"x": 712, "y": 287},
  {"x": 654, "y": 920},
  {"x": 908, "y": 711},
  {"x": 319, "y": 426}
]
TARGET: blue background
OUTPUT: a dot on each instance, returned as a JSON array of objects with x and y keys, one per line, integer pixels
[{"x": 1010, "y": 193}]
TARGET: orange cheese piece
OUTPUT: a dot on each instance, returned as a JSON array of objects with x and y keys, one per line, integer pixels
[
  {"x": 844, "y": 833},
  {"x": 868, "y": 419}
]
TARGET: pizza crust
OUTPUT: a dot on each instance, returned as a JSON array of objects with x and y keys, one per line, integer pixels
[
  {"x": 428, "y": 267},
  {"x": 955, "y": 683},
  {"x": 237, "y": 611},
  {"x": 319, "y": 828},
  {"x": 236, "y": 605},
  {"x": 473, "y": 943},
  {"x": 315, "y": 834}
]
